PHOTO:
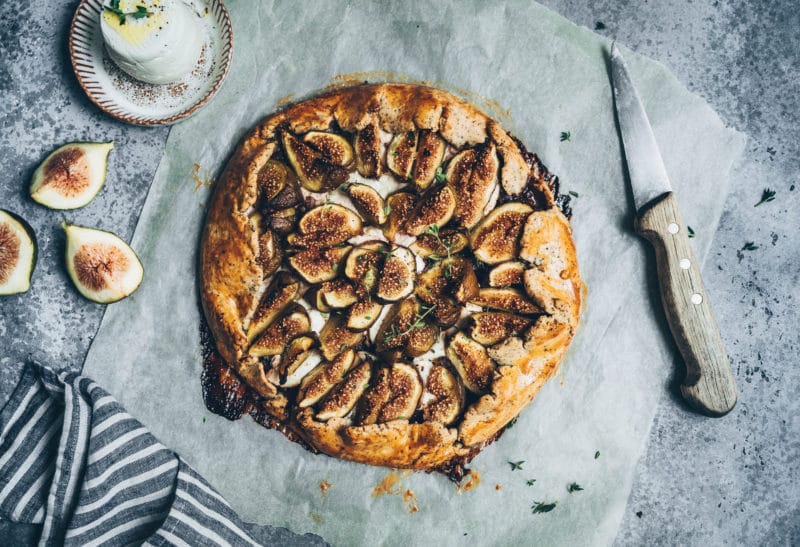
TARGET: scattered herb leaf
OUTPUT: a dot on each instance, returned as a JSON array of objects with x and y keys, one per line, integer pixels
[
  {"x": 113, "y": 7},
  {"x": 417, "y": 324},
  {"x": 596, "y": 454},
  {"x": 599, "y": 25},
  {"x": 530, "y": 482},
  {"x": 691, "y": 232},
  {"x": 440, "y": 175},
  {"x": 511, "y": 424},
  {"x": 574, "y": 487},
  {"x": 766, "y": 196},
  {"x": 576, "y": 194},
  {"x": 541, "y": 507},
  {"x": 565, "y": 136},
  {"x": 750, "y": 246},
  {"x": 387, "y": 209},
  {"x": 516, "y": 465}
]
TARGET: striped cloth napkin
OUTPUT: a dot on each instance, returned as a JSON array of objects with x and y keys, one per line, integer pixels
[{"x": 74, "y": 461}]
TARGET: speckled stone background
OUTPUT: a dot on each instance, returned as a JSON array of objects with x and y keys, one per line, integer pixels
[{"x": 701, "y": 481}]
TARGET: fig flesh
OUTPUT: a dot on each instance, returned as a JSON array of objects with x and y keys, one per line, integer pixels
[
  {"x": 17, "y": 254},
  {"x": 72, "y": 175},
  {"x": 103, "y": 268}
]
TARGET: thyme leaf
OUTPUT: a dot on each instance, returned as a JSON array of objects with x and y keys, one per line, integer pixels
[
  {"x": 542, "y": 507},
  {"x": 565, "y": 136},
  {"x": 766, "y": 196},
  {"x": 516, "y": 465},
  {"x": 574, "y": 487}
]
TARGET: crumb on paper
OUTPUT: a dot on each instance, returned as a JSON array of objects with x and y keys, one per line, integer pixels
[
  {"x": 199, "y": 181},
  {"x": 390, "y": 485},
  {"x": 324, "y": 486},
  {"x": 471, "y": 480},
  {"x": 286, "y": 99},
  {"x": 498, "y": 486}
]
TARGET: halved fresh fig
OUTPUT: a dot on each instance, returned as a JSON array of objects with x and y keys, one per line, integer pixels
[
  {"x": 314, "y": 172},
  {"x": 326, "y": 225},
  {"x": 473, "y": 194},
  {"x": 338, "y": 293},
  {"x": 342, "y": 398},
  {"x": 273, "y": 340},
  {"x": 103, "y": 268},
  {"x": 326, "y": 375},
  {"x": 506, "y": 274},
  {"x": 17, "y": 254},
  {"x": 335, "y": 337},
  {"x": 448, "y": 391},
  {"x": 496, "y": 238},
  {"x": 406, "y": 329},
  {"x": 368, "y": 152},
  {"x": 281, "y": 292},
  {"x": 489, "y": 328},
  {"x": 362, "y": 315},
  {"x": 430, "y": 152},
  {"x": 510, "y": 300},
  {"x": 334, "y": 148},
  {"x": 436, "y": 208},
  {"x": 369, "y": 202},
  {"x": 72, "y": 175},
  {"x": 429, "y": 246},
  {"x": 400, "y": 205},
  {"x": 401, "y": 154},
  {"x": 318, "y": 265},
  {"x": 471, "y": 361},
  {"x": 396, "y": 279},
  {"x": 298, "y": 360}
]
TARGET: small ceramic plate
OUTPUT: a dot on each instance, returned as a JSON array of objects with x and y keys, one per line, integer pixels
[{"x": 133, "y": 101}]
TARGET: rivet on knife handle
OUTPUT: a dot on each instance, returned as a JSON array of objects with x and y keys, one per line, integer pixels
[{"x": 709, "y": 385}]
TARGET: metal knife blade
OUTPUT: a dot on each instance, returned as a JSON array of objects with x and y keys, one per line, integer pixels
[
  {"x": 645, "y": 166},
  {"x": 709, "y": 385}
]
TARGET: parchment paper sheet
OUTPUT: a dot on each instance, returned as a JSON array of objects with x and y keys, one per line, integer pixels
[{"x": 552, "y": 77}]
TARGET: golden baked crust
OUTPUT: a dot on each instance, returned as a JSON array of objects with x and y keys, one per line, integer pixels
[{"x": 474, "y": 199}]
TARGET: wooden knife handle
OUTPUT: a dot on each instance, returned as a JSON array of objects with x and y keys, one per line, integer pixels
[{"x": 709, "y": 385}]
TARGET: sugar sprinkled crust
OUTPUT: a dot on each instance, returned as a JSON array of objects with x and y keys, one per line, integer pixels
[{"x": 371, "y": 133}]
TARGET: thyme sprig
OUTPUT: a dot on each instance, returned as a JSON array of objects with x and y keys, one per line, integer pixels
[
  {"x": 433, "y": 230},
  {"x": 542, "y": 507},
  {"x": 418, "y": 323},
  {"x": 766, "y": 196}
]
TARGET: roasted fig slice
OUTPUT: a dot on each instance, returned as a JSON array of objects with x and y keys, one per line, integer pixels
[
  {"x": 363, "y": 264},
  {"x": 298, "y": 360},
  {"x": 405, "y": 329},
  {"x": 496, "y": 238},
  {"x": 282, "y": 291},
  {"x": 368, "y": 152},
  {"x": 273, "y": 340},
  {"x": 474, "y": 194},
  {"x": 342, "y": 398},
  {"x": 436, "y": 208},
  {"x": 335, "y": 337},
  {"x": 17, "y": 254},
  {"x": 489, "y": 328},
  {"x": 368, "y": 202},
  {"x": 318, "y": 265},
  {"x": 362, "y": 315},
  {"x": 334, "y": 148},
  {"x": 314, "y": 172},
  {"x": 510, "y": 300},
  {"x": 400, "y": 206},
  {"x": 281, "y": 221},
  {"x": 448, "y": 391},
  {"x": 272, "y": 178},
  {"x": 396, "y": 279},
  {"x": 289, "y": 196},
  {"x": 326, "y": 225},
  {"x": 394, "y": 395},
  {"x": 326, "y": 375},
  {"x": 338, "y": 293},
  {"x": 103, "y": 268},
  {"x": 401, "y": 154},
  {"x": 269, "y": 253},
  {"x": 506, "y": 274},
  {"x": 428, "y": 245},
  {"x": 471, "y": 361},
  {"x": 72, "y": 175},
  {"x": 445, "y": 282},
  {"x": 430, "y": 153}
]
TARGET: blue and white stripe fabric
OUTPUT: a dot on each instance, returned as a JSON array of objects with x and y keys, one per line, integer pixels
[{"x": 74, "y": 461}]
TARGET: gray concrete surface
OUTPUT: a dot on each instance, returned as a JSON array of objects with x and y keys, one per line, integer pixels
[{"x": 710, "y": 482}]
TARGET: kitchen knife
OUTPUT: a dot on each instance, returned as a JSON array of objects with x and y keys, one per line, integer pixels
[{"x": 709, "y": 385}]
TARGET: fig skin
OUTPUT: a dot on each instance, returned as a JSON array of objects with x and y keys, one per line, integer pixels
[
  {"x": 71, "y": 176},
  {"x": 20, "y": 251},
  {"x": 108, "y": 256}
]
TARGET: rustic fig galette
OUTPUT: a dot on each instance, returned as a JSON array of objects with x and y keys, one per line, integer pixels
[{"x": 390, "y": 274}]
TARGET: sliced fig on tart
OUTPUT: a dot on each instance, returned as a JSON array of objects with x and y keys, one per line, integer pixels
[
  {"x": 335, "y": 337},
  {"x": 435, "y": 208},
  {"x": 298, "y": 359},
  {"x": 318, "y": 265},
  {"x": 510, "y": 300},
  {"x": 401, "y": 154},
  {"x": 280, "y": 332},
  {"x": 316, "y": 384},
  {"x": 489, "y": 328},
  {"x": 334, "y": 148},
  {"x": 344, "y": 396},
  {"x": 496, "y": 238},
  {"x": 448, "y": 392},
  {"x": 368, "y": 149},
  {"x": 506, "y": 274},
  {"x": 471, "y": 361},
  {"x": 314, "y": 171},
  {"x": 400, "y": 206},
  {"x": 368, "y": 202},
  {"x": 397, "y": 276},
  {"x": 428, "y": 159},
  {"x": 283, "y": 290},
  {"x": 362, "y": 315}
]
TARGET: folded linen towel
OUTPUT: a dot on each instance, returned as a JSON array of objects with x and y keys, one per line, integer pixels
[{"x": 74, "y": 461}]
